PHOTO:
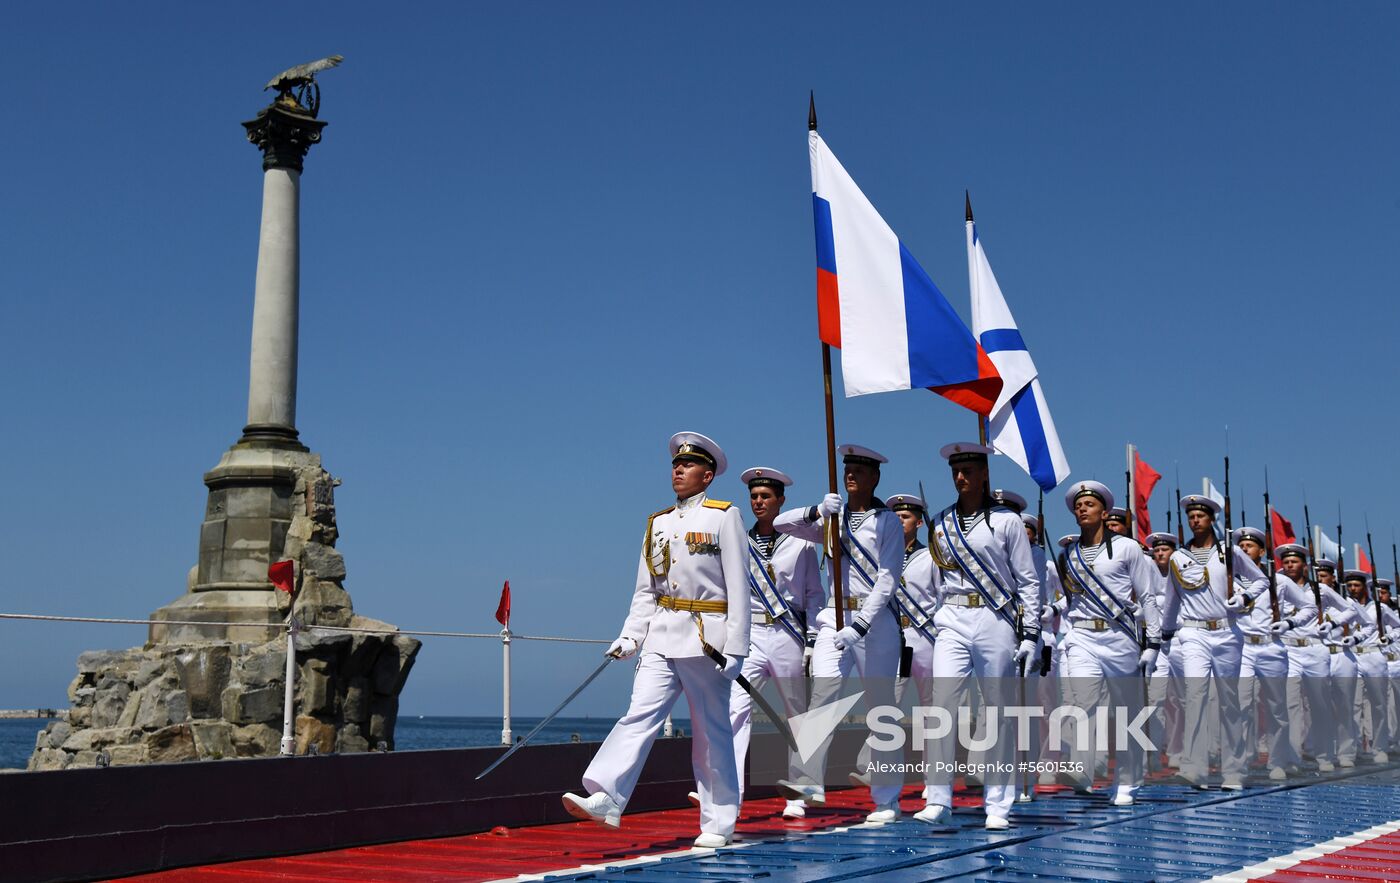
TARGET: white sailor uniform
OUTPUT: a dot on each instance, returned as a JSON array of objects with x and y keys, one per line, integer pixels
[
  {"x": 1371, "y": 668},
  {"x": 1264, "y": 668},
  {"x": 1164, "y": 684},
  {"x": 1344, "y": 616},
  {"x": 989, "y": 591},
  {"x": 1310, "y": 721},
  {"x": 872, "y": 563},
  {"x": 785, "y": 597},
  {"x": 1109, "y": 593},
  {"x": 690, "y": 579},
  {"x": 1209, "y": 643}
]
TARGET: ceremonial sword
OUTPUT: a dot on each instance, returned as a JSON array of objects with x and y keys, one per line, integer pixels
[
  {"x": 756, "y": 696},
  {"x": 552, "y": 715}
]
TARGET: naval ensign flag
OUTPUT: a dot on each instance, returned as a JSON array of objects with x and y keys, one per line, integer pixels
[{"x": 1019, "y": 426}]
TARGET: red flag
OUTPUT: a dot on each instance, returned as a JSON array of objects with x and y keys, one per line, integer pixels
[
  {"x": 1283, "y": 529},
  {"x": 282, "y": 574},
  {"x": 1145, "y": 478},
  {"x": 1362, "y": 562},
  {"x": 503, "y": 608}
]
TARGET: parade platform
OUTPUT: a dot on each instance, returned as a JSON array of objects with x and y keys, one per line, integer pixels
[{"x": 1340, "y": 826}]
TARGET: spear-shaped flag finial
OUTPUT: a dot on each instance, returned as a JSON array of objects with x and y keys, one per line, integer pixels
[
  {"x": 967, "y": 200},
  {"x": 812, "y": 111}
]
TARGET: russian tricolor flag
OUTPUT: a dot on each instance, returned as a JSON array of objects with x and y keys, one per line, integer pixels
[{"x": 876, "y": 304}]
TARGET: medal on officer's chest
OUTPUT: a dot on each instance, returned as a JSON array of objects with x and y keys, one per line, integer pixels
[{"x": 701, "y": 543}]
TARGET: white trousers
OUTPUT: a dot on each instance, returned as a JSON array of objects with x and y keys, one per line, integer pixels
[
  {"x": 1101, "y": 670},
  {"x": 875, "y": 658},
  {"x": 659, "y": 682},
  {"x": 973, "y": 642},
  {"x": 1164, "y": 692},
  {"x": 1393, "y": 679},
  {"x": 1264, "y": 702},
  {"x": 774, "y": 654},
  {"x": 1210, "y": 662},
  {"x": 1310, "y": 722},
  {"x": 1374, "y": 683},
  {"x": 1342, "y": 698}
]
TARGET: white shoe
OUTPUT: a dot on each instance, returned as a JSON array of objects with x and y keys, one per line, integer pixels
[
  {"x": 694, "y": 798},
  {"x": 1123, "y": 797},
  {"x": 1325, "y": 766},
  {"x": 936, "y": 814},
  {"x": 795, "y": 809},
  {"x": 711, "y": 841},
  {"x": 1277, "y": 774},
  {"x": 923, "y": 795},
  {"x": 996, "y": 823},
  {"x": 859, "y": 780},
  {"x": 598, "y": 807},
  {"x": 1233, "y": 783},
  {"x": 884, "y": 814},
  {"x": 814, "y": 795},
  {"x": 1380, "y": 757},
  {"x": 1347, "y": 763}
]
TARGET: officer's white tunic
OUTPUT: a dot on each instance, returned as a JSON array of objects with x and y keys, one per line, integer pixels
[
  {"x": 1209, "y": 643},
  {"x": 977, "y": 635},
  {"x": 1109, "y": 592},
  {"x": 789, "y": 570},
  {"x": 872, "y": 563},
  {"x": 1264, "y": 668},
  {"x": 705, "y": 545}
]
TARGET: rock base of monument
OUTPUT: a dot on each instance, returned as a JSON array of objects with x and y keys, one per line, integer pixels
[{"x": 210, "y": 701}]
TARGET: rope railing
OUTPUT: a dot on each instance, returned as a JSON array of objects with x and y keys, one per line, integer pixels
[{"x": 505, "y": 636}]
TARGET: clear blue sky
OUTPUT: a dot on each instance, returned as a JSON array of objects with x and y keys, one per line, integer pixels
[{"x": 540, "y": 238}]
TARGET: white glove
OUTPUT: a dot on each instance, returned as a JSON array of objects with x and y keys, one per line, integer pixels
[
  {"x": 847, "y": 638},
  {"x": 1060, "y": 606},
  {"x": 1147, "y": 661},
  {"x": 1280, "y": 627},
  {"x": 1384, "y": 640},
  {"x": 1024, "y": 651},
  {"x": 1328, "y": 626},
  {"x": 1047, "y": 638},
  {"x": 807, "y": 661},
  {"x": 733, "y": 665},
  {"x": 622, "y": 648},
  {"x": 1348, "y": 641},
  {"x": 829, "y": 506},
  {"x": 1235, "y": 603}
]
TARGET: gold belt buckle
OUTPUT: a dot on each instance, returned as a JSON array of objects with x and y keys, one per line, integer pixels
[
  {"x": 974, "y": 600},
  {"x": 904, "y": 622},
  {"x": 1099, "y": 624},
  {"x": 1212, "y": 624}
]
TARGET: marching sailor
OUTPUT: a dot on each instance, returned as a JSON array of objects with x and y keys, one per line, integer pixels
[
  {"x": 1371, "y": 663},
  {"x": 1309, "y": 708},
  {"x": 785, "y": 597},
  {"x": 1341, "y": 619},
  {"x": 987, "y": 624},
  {"x": 1264, "y": 659},
  {"x": 1164, "y": 682},
  {"x": 872, "y": 564},
  {"x": 1117, "y": 521},
  {"x": 691, "y": 601},
  {"x": 1386, "y": 588},
  {"x": 1054, "y": 629},
  {"x": 1199, "y": 611},
  {"x": 1109, "y": 590}
]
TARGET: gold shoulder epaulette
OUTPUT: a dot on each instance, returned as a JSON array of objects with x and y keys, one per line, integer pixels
[
  {"x": 717, "y": 504},
  {"x": 662, "y": 512}
]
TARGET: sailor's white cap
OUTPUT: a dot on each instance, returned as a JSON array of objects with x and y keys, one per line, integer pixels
[
  {"x": 861, "y": 454},
  {"x": 1117, "y": 513},
  {"x": 904, "y": 501},
  {"x": 765, "y": 476},
  {"x": 965, "y": 452},
  {"x": 1010, "y": 499},
  {"x": 1068, "y": 538},
  {"x": 694, "y": 446},
  {"x": 1161, "y": 538},
  {"x": 1028, "y": 518},
  {"x": 1198, "y": 501},
  {"x": 1357, "y": 574},
  {"x": 1325, "y": 562},
  {"x": 1249, "y": 533},
  {"x": 1294, "y": 549},
  {"x": 1092, "y": 488},
  {"x": 1384, "y": 583}
]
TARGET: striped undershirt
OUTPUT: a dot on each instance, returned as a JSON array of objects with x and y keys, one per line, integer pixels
[
  {"x": 764, "y": 544},
  {"x": 1091, "y": 553},
  {"x": 1201, "y": 555},
  {"x": 858, "y": 518}
]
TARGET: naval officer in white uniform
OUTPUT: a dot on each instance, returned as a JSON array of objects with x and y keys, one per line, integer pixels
[
  {"x": 785, "y": 598},
  {"x": 988, "y": 623},
  {"x": 1200, "y": 609},
  {"x": 1109, "y": 592},
  {"x": 872, "y": 564},
  {"x": 691, "y": 597}
]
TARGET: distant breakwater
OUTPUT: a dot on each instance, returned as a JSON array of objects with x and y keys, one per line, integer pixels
[{"x": 23, "y": 713}]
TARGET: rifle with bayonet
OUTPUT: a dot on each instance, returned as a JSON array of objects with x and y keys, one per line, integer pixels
[
  {"x": 1375, "y": 589},
  {"x": 1312, "y": 562},
  {"x": 1229, "y": 547},
  {"x": 1269, "y": 547},
  {"x": 1180, "y": 520}
]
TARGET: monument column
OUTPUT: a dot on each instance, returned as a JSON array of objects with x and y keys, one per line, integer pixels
[{"x": 284, "y": 134}]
